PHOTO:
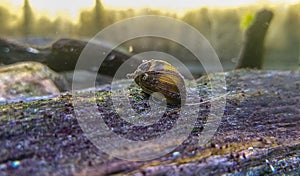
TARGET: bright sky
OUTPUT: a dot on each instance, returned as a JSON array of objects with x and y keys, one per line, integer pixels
[{"x": 72, "y": 7}]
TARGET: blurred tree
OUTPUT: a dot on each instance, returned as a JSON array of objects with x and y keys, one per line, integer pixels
[
  {"x": 92, "y": 21},
  {"x": 200, "y": 20},
  {"x": 125, "y": 14},
  {"x": 148, "y": 11},
  {"x": 292, "y": 26},
  {"x": 251, "y": 55},
  {"x": 85, "y": 23},
  {"x": 111, "y": 18},
  {"x": 28, "y": 19},
  {"x": 44, "y": 26},
  {"x": 62, "y": 27},
  {"x": 5, "y": 18},
  {"x": 226, "y": 33},
  {"x": 99, "y": 15}
]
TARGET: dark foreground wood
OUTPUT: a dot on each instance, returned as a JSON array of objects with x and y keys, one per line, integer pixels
[
  {"x": 62, "y": 55},
  {"x": 259, "y": 135}
]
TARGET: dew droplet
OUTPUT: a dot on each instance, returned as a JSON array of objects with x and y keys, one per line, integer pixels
[
  {"x": 15, "y": 164},
  {"x": 176, "y": 154},
  {"x": 130, "y": 49},
  {"x": 5, "y": 50},
  {"x": 111, "y": 57},
  {"x": 32, "y": 50}
]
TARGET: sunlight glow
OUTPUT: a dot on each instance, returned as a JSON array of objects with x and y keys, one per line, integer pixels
[
  {"x": 174, "y": 4},
  {"x": 72, "y": 7}
]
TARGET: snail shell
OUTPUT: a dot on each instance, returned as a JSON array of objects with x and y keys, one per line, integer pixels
[{"x": 160, "y": 76}]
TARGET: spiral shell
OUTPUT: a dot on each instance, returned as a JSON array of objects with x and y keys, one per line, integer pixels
[{"x": 160, "y": 76}]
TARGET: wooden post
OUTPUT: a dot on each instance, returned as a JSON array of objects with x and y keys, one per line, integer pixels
[{"x": 251, "y": 55}]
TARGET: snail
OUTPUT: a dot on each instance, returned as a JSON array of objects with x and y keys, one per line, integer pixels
[{"x": 160, "y": 76}]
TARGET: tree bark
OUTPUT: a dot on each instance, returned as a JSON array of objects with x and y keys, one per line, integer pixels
[{"x": 251, "y": 55}]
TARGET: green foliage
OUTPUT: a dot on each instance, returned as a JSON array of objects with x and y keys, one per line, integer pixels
[
  {"x": 99, "y": 16},
  {"x": 200, "y": 19},
  {"x": 246, "y": 21},
  {"x": 226, "y": 34},
  {"x": 293, "y": 22},
  {"x": 5, "y": 18},
  {"x": 92, "y": 21},
  {"x": 223, "y": 27},
  {"x": 28, "y": 19}
]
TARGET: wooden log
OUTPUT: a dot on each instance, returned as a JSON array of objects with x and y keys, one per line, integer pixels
[
  {"x": 258, "y": 135},
  {"x": 61, "y": 56}
]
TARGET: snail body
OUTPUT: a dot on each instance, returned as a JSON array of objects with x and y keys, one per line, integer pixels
[{"x": 160, "y": 76}]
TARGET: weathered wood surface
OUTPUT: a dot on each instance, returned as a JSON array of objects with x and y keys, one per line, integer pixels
[{"x": 259, "y": 135}]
